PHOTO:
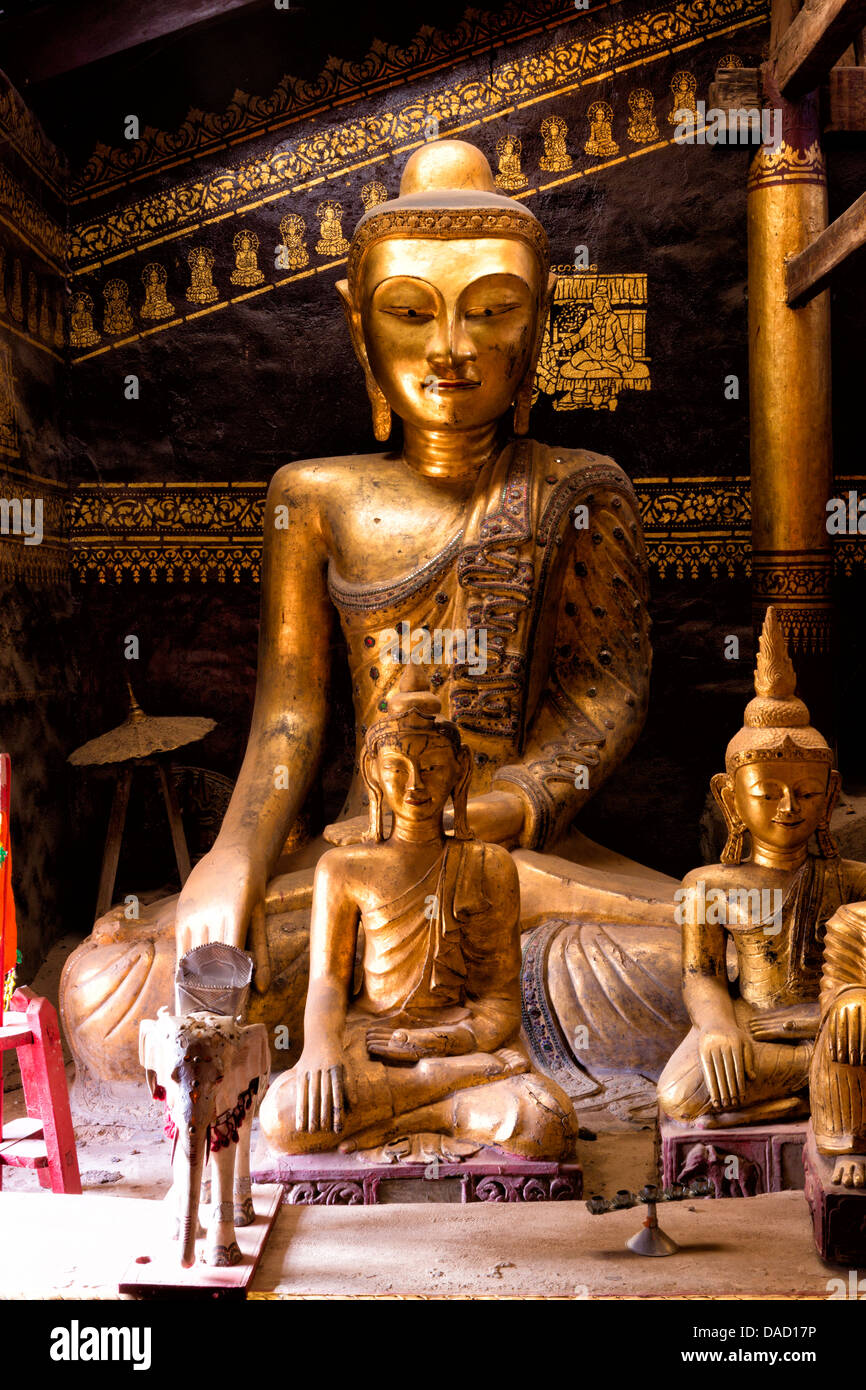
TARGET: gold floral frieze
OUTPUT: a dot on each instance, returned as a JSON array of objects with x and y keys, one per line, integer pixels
[
  {"x": 565, "y": 65},
  {"x": 198, "y": 533},
  {"x": 432, "y": 51},
  {"x": 21, "y": 130},
  {"x": 31, "y": 223}
]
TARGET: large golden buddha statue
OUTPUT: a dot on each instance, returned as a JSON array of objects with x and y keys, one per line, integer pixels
[
  {"x": 460, "y": 528},
  {"x": 747, "y": 1058}
]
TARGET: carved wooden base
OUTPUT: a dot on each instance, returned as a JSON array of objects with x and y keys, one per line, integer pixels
[
  {"x": 739, "y": 1162},
  {"x": 838, "y": 1213},
  {"x": 348, "y": 1180}
]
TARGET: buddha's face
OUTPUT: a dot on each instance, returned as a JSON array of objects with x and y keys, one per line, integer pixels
[
  {"x": 781, "y": 802},
  {"x": 418, "y": 777},
  {"x": 450, "y": 326}
]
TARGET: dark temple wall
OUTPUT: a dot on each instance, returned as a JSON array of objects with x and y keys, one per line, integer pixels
[{"x": 38, "y": 654}]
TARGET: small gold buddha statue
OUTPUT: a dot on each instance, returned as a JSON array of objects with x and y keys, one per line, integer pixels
[
  {"x": 295, "y": 254},
  {"x": 600, "y": 141},
  {"x": 553, "y": 133},
  {"x": 331, "y": 240},
  {"x": 425, "y": 1039},
  {"x": 837, "y": 1085},
  {"x": 642, "y": 126},
  {"x": 460, "y": 521},
  {"x": 118, "y": 318},
  {"x": 510, "y": 175},
  {"x": 156, "y": 304},
  {"x": 81, "y": 330},
  {"x": 202, "y": 289},
  {"x": 246, "y": 271},
  {"x": 747, "y": 1057},
  {"x": 683, "y": 87}
]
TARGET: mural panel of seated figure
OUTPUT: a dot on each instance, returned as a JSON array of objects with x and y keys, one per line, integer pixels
[
  {"x": 597, "y": 360},
  {"x": 429, "y": 1042},
  {"x": 748, "y": 1055}
]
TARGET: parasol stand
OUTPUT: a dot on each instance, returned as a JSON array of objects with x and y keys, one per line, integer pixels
[{"x": 136, "y": 743}]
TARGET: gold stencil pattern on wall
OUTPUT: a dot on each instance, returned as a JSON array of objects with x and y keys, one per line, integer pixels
[
  {"x": 8, "y": 420},
  {"x": 564, "y": 66},
  {"x": 331, "y": 240},
  {"x": 17, "y": 304},
  {"x": 601, "y": 142},
  {"x": 372, "y": 194},
  {"x": 246, "y": 271},
  {"x": 27, "y": 137},
  {"x": 211, "y": 532},
  {"x": 202, "y": 289},
  {"x": 46, "y": 326},
  {"x": 3, "y": 302},
  {"x": 293, "y": 251},
  {"x": 29, "y": 220},
  {"x": 59, "y": 325},
  {"x": 556, "y": 157},
  {"x": 118, "y": 316},
  {"x": 642, "y": 125},
  {"x": 156, "y": 305},
  {"x": 508, "y": 152},
  {"x": 729, "y": 60},
  {"x": 683, "y": 86},
  {"x": 81, "y": 330},
  {"x": 594, "y": 344}
]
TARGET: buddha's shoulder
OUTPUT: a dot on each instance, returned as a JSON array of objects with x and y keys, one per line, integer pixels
[
  {"x": 322, "y": 476},
  {"x": 560, "y": 465}
]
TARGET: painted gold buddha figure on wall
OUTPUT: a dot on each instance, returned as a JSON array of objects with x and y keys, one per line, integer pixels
[
  {"x": 427, "y": 1040},
  {"x": 461, "y": 523},
  {"x": 748, "y": 1055}
]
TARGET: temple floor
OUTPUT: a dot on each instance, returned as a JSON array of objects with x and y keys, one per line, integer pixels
[{"x": 759, "y": 1247}]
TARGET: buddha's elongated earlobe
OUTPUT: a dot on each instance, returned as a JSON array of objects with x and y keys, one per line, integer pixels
[
  {"x": 827, "y": 845},
  {"x": 523, "y": 399},
  {"x": 460, "y": 797},
  {"x": 376, "y": 830},
  {"x": 722, "y": 787},
  {"x": 381, "y": 408}
]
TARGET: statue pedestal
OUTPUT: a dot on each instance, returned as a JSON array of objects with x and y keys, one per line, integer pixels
[
  {"x": 335, "y": 1179},
  {"x": 838, "y": 1213},
  {"x": 769, "y": 1158}
]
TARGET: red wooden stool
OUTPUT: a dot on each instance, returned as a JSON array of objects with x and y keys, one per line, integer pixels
[{"x": 44, "y": 1138}]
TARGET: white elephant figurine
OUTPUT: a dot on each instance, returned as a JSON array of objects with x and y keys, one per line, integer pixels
[{"x": 212, "y": 1072}]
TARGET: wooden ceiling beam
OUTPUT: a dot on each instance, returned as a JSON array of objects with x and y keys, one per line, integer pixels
[
  {"x": 815, "y": 39},
  {"x": 51, "y": 40},
  {"x": 809, "y": 273}
]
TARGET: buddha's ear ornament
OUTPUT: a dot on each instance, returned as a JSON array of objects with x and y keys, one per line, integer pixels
[
  {"x": 375, "y": 832},
  {"x": 460, "y": 798},
  {"x": 722, "y": 787},
  {"x": 380, "y": 407},
  {"x": 523, "y": 399},
  {"x": 827, "y": 845}
]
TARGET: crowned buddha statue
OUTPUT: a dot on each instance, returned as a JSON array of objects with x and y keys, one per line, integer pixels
[
  {"x": 423, "y": 1038},
  {"x": 837, "y": 1085},
  {"x": 748, "y": 1055},
  {"x": 461, "y": 522}
]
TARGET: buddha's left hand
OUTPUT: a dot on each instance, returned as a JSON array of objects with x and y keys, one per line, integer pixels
[
  {"x": 495, "y": 816},
  {"x": 786, "y": 1025},
  {"x": 411, "y": 1044}
]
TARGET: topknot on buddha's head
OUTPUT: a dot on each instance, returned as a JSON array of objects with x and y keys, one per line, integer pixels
[{"x": 446, "y": 164}]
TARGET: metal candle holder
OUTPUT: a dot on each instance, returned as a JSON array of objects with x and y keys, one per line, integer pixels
[{"x": 650, "y": 1239}]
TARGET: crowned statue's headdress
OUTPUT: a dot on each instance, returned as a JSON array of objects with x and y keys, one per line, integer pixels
[
  {"x": 414, "y": 709},
  {"x": 447, "y": 190},
  {"x": 776, "y": 727},
  {"x": 777, "y": 721}
]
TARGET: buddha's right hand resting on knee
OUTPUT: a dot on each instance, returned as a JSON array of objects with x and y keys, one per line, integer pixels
[
  {"x": 728, "y": 1064},
  {"x": 218, "y": 899}
]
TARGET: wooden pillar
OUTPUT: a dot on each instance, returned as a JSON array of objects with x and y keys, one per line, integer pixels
[{"x": 789, "y": 391}]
